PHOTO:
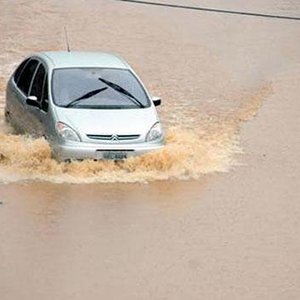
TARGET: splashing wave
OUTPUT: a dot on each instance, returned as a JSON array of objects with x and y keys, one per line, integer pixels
[{"x": 211, "y": 146}]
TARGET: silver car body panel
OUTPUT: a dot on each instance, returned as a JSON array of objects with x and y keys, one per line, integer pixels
[{"x": 99, "y": 129}]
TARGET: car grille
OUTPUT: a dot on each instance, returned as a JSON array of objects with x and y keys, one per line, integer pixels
[{"x": 113, "y": 137}]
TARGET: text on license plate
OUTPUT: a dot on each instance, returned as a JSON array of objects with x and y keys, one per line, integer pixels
[{"x": 114, "y": 155}]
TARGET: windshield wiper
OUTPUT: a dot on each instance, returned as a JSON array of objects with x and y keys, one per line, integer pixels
[
  {"x": 122, "y": 91},
  {"x": 86, "y": 96}
]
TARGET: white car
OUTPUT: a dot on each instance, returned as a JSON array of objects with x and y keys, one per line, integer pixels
[{"x": 88, "y": 105}]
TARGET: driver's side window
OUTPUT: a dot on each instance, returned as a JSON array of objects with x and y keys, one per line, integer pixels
[
  {"x": 37, "y": 84},
  {"x": 39, "y": 87}
]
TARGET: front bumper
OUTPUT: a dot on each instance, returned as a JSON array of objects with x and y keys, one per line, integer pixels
[{"x": 79, "y": 151}]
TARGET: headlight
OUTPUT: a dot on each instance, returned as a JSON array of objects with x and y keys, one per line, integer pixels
[
  {"x": 154, "y": 133},
  {"x": 66, "y": 132}
]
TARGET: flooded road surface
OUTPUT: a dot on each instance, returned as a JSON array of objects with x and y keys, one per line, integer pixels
[{"x": 215, "y": 214}]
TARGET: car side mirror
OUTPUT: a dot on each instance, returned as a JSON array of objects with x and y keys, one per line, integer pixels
[
  {"x": 32, "y": 101},
  {"x": 156, "y": 101}
]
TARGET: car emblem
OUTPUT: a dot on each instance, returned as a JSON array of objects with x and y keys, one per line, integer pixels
[{"x": 114, "y": 137}]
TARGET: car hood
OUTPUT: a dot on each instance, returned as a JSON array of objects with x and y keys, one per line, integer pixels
[{"x": 107, "y": 121}]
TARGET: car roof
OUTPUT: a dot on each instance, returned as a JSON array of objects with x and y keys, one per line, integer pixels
[{"x": 72, "y": 59}]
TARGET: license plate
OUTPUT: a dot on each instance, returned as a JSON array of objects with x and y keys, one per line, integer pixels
[{"x": 114, "y": 155}]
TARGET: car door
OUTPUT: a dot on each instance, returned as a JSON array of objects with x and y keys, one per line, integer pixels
[
  {"x": 19, "y": 94},
  {"x": 38, "y": 115}
]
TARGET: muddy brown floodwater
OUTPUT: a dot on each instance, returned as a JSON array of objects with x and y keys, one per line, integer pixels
[{"x": 215, "y": 214}]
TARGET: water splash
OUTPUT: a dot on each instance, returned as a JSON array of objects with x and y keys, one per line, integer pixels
[{"x": 208, "y": 145}]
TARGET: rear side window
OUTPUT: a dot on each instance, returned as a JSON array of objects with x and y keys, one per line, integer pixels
[
  {"x": 38, "y": 83},
  {"x": 20, "y": 70},
  {"x": 26, "y": 76}
]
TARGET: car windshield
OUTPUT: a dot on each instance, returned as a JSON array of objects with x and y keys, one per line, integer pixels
[{"x": 101, "y": 88}]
